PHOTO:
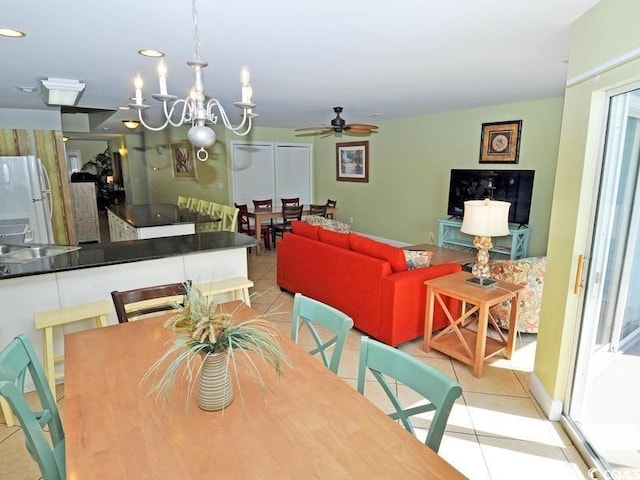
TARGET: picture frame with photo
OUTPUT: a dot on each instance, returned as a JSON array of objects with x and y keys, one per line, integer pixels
[
  {"x": 500, "y": 142},
  {"x": 352, "y": 162},
  {"x": 183, "y": 164}
]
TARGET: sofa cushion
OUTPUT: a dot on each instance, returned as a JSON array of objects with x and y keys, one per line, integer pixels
[
  {"x": 417, "y": 258},
  {"x": 336, "y": 239},
  {"x": 305, "y": 229},
  {"x": 327, "y": 223},
  {"x": 382, "y": 251}
]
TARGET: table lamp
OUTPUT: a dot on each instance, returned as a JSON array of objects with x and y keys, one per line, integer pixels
[{"x": 484, "y": 219}]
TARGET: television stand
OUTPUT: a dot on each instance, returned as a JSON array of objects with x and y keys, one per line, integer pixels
[{"x": 514, "y": 245}]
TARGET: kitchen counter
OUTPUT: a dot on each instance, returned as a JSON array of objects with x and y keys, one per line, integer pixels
[
  {"x": 156, "y": 215},
  {"x": 136, "y": 222},
  {"x": 95, "y": 270},
  {"x": 102, "y": 254}
]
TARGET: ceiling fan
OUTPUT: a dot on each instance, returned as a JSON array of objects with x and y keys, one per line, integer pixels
[{"x": 339, "y": 125}]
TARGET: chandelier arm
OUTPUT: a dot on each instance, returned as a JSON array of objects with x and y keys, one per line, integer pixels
[
  {"x": 185, "y": 116},
  {"x": 225, "y": 119},
  {"x": 149, "y": 127}
]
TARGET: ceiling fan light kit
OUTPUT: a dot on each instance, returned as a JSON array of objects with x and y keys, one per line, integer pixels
[
  {"x": 193, "y": 109},
  {"x": 339, "y": 125}
]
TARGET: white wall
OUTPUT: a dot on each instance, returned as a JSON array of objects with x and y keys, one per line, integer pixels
[{"x": 17, "y": 119}]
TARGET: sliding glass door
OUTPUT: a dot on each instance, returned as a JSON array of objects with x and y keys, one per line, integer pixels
[{"x": 604, "y": 402}]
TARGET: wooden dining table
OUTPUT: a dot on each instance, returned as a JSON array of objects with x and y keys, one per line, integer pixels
[
  {"x": 305, "y": 423},
  {"x": 261, "y": 215}
]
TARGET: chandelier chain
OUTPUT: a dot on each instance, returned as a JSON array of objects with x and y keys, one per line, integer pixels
[{"x": 196, "y": 33}]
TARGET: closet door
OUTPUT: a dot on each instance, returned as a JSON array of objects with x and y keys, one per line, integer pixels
[
  {"x": 253, "y": 172},
  {"x": 293, "y": 172}
]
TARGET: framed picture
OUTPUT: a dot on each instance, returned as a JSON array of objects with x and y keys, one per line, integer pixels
[
  {"x": 500, "y": 142},
  {"x": 183, "y": 160},
  {"x": 352, "y": 162}
]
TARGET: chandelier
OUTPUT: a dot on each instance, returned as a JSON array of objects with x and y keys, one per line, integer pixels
[{"x": 196, "y": 109}]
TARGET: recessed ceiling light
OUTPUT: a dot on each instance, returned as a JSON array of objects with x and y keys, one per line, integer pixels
[
  {"x": 124, "y": 107},
  {"x": 149, "y": 52},
  {"x": 26, "y": 89},
  {"x": 11, "y": 32}
]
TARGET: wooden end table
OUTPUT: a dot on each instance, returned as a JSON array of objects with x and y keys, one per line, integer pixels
[{"x": 457, "y": 340}]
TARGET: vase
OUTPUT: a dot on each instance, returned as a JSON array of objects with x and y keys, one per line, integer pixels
[{"x": 215, "y": 391}]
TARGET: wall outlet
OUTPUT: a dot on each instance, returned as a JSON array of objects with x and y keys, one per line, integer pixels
[
  {"x": 431, "y": 237},
  {"x": 351, "y": 220},
  {"x": 220, "y": 185}
]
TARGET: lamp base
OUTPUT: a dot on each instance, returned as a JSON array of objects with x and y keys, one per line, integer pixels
[{"x": 482, "y": 282}]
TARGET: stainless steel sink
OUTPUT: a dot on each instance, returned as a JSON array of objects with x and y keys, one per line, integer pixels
[{"x": 30, "y": 253}]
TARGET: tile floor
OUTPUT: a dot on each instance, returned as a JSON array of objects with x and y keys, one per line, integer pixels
[{"x": 496, "y": 430}]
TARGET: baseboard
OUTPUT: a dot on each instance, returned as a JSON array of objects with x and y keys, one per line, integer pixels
[
  {"x": 551, "y": 408},
  {"x": 395, "y": 243}
]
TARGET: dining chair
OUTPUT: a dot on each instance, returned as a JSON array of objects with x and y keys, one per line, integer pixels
[
  {"x": 183, "y": 202},
  {"x": 131, "y": 304},
  {"x": 289, "y": 214},
  {"x": 320, "y": 321},
  {"x": 263, "y": 203},
  {"x": 229, "y": 218},
  {"x": 385, "y": 362},
  {"x": 290, "y": 202},
  {"x": 43, "y": 419},
  {"x": 204, "y": 207},
  {"x": 331, "y": 204},
  {"x": 245, "y": 225},
  {"x": 320, "y": 210},
  {"x": 193, "y": 203}
]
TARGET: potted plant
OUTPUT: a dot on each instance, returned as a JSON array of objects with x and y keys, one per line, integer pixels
[{"x": 205, "y": 332}]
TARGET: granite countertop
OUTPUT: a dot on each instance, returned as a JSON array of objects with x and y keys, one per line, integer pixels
[
  {"x": 157, "y": 214},
  {"x": 113, "y": 253}
]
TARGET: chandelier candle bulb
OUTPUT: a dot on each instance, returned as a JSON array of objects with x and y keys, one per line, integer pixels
[
  {"x": 162, "y": 77},
  {"x": 137, "y": 83}
]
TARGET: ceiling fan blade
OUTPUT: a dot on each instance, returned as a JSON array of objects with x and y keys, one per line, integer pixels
[
  {"x": 310, "y": 128},
  {"x": 362, "y": 125}
]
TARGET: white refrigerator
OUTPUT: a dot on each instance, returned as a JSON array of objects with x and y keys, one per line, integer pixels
[{"x": 25, "y": 201}]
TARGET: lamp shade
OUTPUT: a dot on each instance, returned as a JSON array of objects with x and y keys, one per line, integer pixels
[{"x": 486, "y": 218}]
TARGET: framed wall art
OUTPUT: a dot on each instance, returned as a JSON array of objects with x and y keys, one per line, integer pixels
[
  {"x": 352, "y": 162},
  {"x": 183, "y": 160},
  {"x": 500, "y": 142}
]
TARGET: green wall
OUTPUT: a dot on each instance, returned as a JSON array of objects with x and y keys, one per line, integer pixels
[
  {"x": 606, "y": 32},
  {"x": 410, "y": 162}
]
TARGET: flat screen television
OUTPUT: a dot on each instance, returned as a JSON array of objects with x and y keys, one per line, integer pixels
[{"x": 513, "y": 186}]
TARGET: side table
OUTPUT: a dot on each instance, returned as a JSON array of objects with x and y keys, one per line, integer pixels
[{"x": 457, "y": 340}]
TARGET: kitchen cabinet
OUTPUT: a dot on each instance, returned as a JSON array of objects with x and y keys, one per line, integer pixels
[{"x": 85, "y": 209}]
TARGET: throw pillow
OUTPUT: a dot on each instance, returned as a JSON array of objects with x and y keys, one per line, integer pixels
[
  {"x": 328, "y": 223},
  {"x": 417, "y": 259},
  {"x": 383, "y": 251}
]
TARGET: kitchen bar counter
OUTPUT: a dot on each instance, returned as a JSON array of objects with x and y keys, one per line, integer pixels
[
  {"x": 136, "y": 222},
  {"x": 102, "y": 254},
  {"x": 95, "y": 270},
  {"x": 157, "y": 215}
]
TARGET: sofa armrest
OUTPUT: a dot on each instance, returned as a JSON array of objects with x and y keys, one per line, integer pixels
[{"x": 404, "y": 296}]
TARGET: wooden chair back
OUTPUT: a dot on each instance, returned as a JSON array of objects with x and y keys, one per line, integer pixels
[{"x": 139, "y": 302}]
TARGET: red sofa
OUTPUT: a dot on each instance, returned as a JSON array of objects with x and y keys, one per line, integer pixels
[{"x": 366, "y": 279}]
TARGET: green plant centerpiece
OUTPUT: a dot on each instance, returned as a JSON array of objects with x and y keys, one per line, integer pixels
[{"x": 206, "y": 341}]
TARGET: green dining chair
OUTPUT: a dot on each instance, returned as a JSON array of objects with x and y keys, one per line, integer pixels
[
  {"x": 440, "y": 391},
  {"x": 311, "y": 313},
  {"x": 229, "y": 218},
  {"x": 15, "y": 360}
]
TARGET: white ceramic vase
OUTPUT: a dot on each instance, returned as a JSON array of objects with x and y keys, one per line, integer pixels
[{"x": 215, "y": 390}]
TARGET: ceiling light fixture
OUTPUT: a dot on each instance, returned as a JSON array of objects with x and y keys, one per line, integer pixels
[
  {"x": 193, "y": 109},
  {"x": 11, "y": 32},
  {"x": 149, "y": 52},
  {"x": 131, "y": 124},
  {"x": 60, "y": 91}
]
